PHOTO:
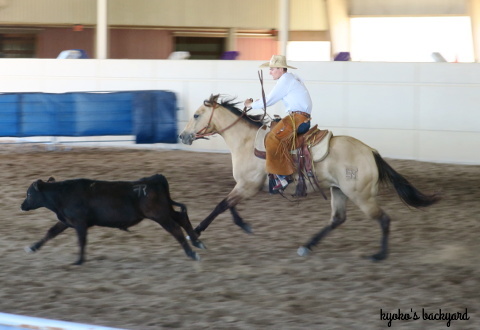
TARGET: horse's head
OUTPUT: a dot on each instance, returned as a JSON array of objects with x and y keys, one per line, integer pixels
[
  {"x": 222, "y": 117},
  {"x": 201, "y": 124}
]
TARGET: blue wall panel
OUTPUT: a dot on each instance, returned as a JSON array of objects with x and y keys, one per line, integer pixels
[
  {"x": 103, "y": 113},
  {"x": 149, "y": 115},
  {"x": 46, "y": 114},
  {"x": 9, "y": 114},
  {"x": 166, "y": 117},
  {"x": 155, "y": 117}
]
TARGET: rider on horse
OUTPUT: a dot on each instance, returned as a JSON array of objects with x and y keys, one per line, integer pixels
[{"x": 298, "y": 105}]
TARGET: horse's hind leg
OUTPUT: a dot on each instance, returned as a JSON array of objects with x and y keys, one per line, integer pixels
[
  {"x": 339, "y": 215},
  {"x": 370, "y": 207},
  {"x": 384, "y": 221}
]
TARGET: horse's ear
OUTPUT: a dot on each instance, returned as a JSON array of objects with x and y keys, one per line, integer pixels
[
  {"x": 51, "y": 179},
  {"x": 211, "y": 101},
  {"x": 214, "y": 100}
]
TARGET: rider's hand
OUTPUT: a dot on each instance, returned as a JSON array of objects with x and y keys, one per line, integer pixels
[{"x": 248, "y": 103}]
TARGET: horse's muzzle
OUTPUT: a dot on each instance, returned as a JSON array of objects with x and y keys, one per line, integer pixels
[{"x": 187, "y": 138}]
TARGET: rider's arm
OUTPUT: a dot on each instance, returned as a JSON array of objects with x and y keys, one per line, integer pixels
[{"x": 276, "y": 94}]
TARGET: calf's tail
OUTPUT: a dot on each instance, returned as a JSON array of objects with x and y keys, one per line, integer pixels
[
  {"x": 182, "y": 206},
  {"x": 406, "y": 191},
  {"x": 162, "y": 180}
]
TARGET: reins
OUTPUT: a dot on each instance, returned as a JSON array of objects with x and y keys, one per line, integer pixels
[
  {"x": 201, "y": 135},
  {"x": 260, "y": 77}
]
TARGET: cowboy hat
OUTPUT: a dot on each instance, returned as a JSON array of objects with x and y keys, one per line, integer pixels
[{"x": 277, "y": 61}]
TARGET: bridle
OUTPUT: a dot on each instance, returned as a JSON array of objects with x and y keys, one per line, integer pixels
[{"x": 201, "y": 133}]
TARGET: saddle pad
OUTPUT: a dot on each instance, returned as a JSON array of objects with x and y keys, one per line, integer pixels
[
  {"x": 320, "y": 150},
  {"x": 259, "y": 144}
]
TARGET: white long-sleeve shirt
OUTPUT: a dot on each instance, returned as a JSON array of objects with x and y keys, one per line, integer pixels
[{"x": 291, "y": 90}]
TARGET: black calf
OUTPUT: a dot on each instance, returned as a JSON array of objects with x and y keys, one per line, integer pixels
[{"x": 83, "y": 203}]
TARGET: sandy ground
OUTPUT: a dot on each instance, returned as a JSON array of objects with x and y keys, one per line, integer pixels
[{"x": 143, "y": 279}]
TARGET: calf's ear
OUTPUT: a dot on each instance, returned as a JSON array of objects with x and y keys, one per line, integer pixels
[
  {"x": 35, "y": 184},
  {"x": 51, "y": 179}
]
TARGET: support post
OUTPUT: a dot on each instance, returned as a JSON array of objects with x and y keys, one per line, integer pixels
[
  {"x": 101, "y": 41},
  {"x": 474, "y": 12},
  {"x": 284, "y": 26}
]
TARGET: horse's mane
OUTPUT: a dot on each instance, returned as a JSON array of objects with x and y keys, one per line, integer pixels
[{"x": 231, "y": 105}]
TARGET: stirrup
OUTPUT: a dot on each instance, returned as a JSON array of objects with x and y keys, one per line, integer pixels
[
  {"x": 280, "y": 187},
  {"x": 282, "y": 183}
]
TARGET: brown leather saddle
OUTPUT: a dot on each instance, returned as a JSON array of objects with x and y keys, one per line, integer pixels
[
  {"x": 308, "y": 147},
  {"x": 315, "y": 137}
]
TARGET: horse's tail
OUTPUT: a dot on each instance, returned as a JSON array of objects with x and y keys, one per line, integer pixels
[{"x": 407, "y": 192}]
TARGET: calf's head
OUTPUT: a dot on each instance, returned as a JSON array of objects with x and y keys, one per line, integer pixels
[{"x": 35, "y": 198}]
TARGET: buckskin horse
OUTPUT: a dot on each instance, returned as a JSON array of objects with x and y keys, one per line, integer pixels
[{"x": 346, "y": 155}]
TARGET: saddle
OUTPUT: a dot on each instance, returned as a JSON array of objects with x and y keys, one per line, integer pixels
[
  {"x": 310, "y": 147},
  {"x": 316, "y": 140}
]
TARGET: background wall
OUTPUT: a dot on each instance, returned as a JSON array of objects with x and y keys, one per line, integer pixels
[
  {"x": 422, "y": 111},
  {"x": 146, "y": 29},
  {"x": 246, "y": 14}
]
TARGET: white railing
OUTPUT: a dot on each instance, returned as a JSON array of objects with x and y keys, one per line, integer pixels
[
  {"x": 420, "y": 111},
  {"x": 13, "y": 321}
]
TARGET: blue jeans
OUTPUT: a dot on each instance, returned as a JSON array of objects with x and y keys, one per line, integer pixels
[{"x": 303, "y": 128}]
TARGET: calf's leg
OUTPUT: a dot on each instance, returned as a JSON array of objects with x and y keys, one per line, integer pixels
[
  {"x": 82, "y": 242},
  {"x": 176, "y": 231},
  {"x": 182, "y": 219},
  {"x": 54, "y": 231}
]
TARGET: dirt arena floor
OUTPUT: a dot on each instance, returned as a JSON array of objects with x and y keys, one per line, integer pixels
[{"x": 143, "y": 280}]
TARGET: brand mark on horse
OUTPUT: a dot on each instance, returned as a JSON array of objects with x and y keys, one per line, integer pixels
[{"x": 351, "y": 173}]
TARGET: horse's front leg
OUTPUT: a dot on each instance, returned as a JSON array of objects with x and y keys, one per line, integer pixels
[
  {"x": 237, "y": 219},
  {"x": 219, "y": 209},
  {"x": 244, "y": 189},
  {"x": 230, "y": 202}
]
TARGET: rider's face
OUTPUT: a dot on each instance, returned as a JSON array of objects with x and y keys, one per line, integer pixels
[{"x": 276, "y": 73}]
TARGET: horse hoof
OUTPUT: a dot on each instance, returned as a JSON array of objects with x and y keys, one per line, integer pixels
[
  {"x": 377, "y": 257},
  {"x": 247, "y": 228},
  {"x": 195, "y": 256},
  {"x": 28, "y": 249},
  {"x": 199, "y": 245},
  {"x": 303, "y": 251}
]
